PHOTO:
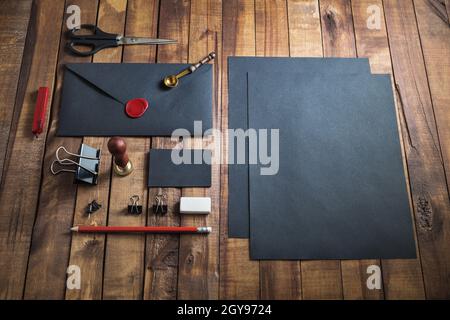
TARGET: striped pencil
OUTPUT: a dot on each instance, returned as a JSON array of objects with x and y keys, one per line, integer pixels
[{"x": 111, "y": 229}]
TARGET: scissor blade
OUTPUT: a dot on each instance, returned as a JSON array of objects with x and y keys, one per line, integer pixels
[{"x": 134, "y": 40}]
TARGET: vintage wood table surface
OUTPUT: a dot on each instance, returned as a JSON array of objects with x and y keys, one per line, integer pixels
[{"x": 409, "y": 39}]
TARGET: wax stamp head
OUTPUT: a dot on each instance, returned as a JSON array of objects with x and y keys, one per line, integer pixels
[{"x": 118, "y": 148}]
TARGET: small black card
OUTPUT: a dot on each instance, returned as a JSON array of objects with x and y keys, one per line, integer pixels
[{"x": 179, "y": 168}]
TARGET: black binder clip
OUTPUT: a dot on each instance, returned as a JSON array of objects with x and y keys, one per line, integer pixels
[
  {"x": 93, "y": 206},
  {"x": 87, "y": 164},
  {"x": 134, "y": 207},
  {"x": 160, "y": 207}
]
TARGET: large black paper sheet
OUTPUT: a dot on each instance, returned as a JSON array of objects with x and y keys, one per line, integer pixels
[
  {"x": 340, "y": 192},
  {"x": 94, "y": 97},
  {"x": 238, "y": 199}
]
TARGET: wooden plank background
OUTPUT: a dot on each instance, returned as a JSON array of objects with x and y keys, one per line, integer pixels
[{"x": 37, "y": 208}]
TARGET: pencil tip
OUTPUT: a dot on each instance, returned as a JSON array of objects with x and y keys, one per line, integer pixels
[{"x": 74, "y": 229}]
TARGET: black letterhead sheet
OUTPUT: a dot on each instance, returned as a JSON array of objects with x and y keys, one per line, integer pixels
[
  {"x": 238, "y": 199},
  {"x": 340, "y": 191}
]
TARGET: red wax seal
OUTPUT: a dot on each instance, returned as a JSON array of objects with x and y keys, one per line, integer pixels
[{"x": 136, "y": 107}]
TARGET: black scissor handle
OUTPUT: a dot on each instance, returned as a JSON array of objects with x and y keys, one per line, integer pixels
[{"x": 97, "y": 40}]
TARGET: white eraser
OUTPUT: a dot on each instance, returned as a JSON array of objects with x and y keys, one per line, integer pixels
[{"x": 195, "y": 205}]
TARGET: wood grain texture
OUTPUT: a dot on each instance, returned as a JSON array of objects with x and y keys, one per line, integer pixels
[
  {"x": 14, "y": 18},
  {"x": 426, "y": 167},
  {"x": 20, "y": 186},
  {"x": 124, "y": 254},
  {"x": 339, "y": 41},
  {"x": 34, "y": 243},
  {"x": 447, "y": 7},
  {"x": 87, "y": 250},
  {"x": 50, "y": 248},
  {"x": 440, "y": 9},
  {"x": 161, "y": 258},
  {"x": 305, "y": 34},
  {"x": 142, "y": 21},
  {"x": 279, "y": 279},
  {"x": 271, "y": 25},
  {"x": 337, "y": 29},
  {"x": 321, "y": 279},
  {"x": 434, "y": 35},
  {"x": 239, "y": 276},
  {"x": 162, "y": 251},
  {"x": 198, "y": 275},
  {"x": 371, "y": 43},
  {"x": 402, "y": 279}
]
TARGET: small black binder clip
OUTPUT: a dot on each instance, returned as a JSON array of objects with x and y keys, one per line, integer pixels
[
  {"x": 134, "y": 207},
  {"x": 160, "y": 207},
  {"x": 93, "y": 206},
  {"x": 87, "y": 164}
]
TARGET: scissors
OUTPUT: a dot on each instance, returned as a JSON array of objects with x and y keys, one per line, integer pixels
[{"x": 99, "y": 40}]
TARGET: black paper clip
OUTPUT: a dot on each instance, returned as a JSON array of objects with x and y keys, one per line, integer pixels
[
  {"x": 134, "y": 207},
  {"x": 160, "y": 206},
  {"x": 87, "y": 164}
]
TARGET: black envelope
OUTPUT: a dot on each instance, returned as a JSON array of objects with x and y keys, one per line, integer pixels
[{"x": 94, "y": 98}]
